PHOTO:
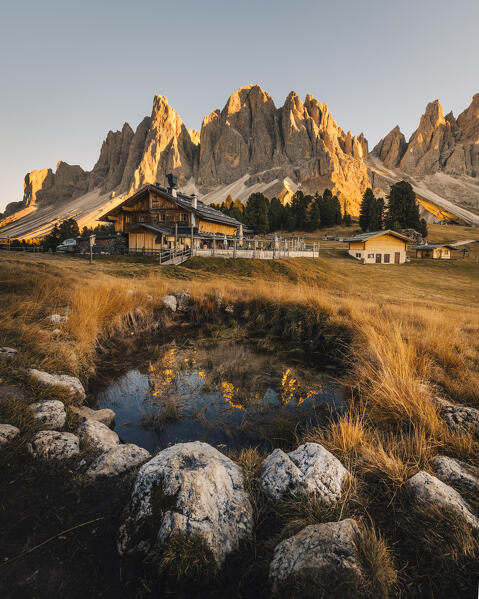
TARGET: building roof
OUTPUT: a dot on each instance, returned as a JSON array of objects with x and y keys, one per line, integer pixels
[
  {"x": 371, "y": 234},
  {"x": 433, "y": 246},
  {"x": 182, "y": 200}
]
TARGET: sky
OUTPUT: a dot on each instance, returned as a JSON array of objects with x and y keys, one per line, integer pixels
[{"x": 70, "y": 71}]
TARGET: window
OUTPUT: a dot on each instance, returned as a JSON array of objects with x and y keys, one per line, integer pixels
[
  {"x": 370, "y": 255},
  {"x": 162, "y": 217},
  {"x": 358, "y": 255},
  {"x": 142, "y": 218},
  {"x": 386, "y": 258},
  {"x": 128, "y": 218},
  {"x": 183, "y": 217}
]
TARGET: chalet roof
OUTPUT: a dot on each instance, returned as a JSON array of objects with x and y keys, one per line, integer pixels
[
  {"x": 433, "y": 246},
  {"x": 182, "y": 200},
  {"x": 371, "y": 234}
]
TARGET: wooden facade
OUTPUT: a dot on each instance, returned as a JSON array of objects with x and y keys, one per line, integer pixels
[
  {"x": 156, "y": 218},
  {"x": 434, "y": 251}
]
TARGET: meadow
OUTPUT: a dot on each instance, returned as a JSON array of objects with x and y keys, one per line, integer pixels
[{"x": 399, "y": 336}]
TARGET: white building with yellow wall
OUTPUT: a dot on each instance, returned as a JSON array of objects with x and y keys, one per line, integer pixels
[{"x": 379, "y": 247}]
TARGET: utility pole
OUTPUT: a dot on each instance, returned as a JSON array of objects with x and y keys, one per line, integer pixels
[
  {"x": 214, "y": 244},
  {"x": 176, "y": 237},
  {"x": 192, "y": 241}
]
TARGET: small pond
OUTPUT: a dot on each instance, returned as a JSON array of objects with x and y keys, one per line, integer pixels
[{"x": 223, "y": 393}]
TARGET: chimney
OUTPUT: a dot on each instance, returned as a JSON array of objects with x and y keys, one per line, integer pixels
[
  {"x": 194, "y": 201},
  {"x": 172, "y": 181}
]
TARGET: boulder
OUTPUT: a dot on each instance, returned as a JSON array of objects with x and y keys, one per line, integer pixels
[
  {"x": 318, "y": 552},
  {"x": 57, "y": 318},
  {"x": 7, "y": 433},
  {"x": 117, "y": 460},
  {"x": 8, "y": 352},
  {"x": 50, "y": 414},
  {"x": 459, "y": 475},
  {"x": 189, "y": 488},
  {"x": 308, "y": 469},
  {"x": 52, "y": 445},
  {"x": 9, "y": 392},
  {"x": 169, "y": 301},
  {"x": 98, "y": 435},
  {"x": 429, "y": 490},
  {"x": 182, "y": 301},
  {"x": 105, "y": 415},
  {"x": 458, "y": 417},
  {"x": 71, "y": 383}
]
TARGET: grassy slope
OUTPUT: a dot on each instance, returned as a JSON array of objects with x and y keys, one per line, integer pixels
[{"x": 414, "y": 331}]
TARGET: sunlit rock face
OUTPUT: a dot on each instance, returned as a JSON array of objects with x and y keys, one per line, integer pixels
[
  {"x": 440, "y": 144},
  {"x": 299, "y": 140},
  {"x": 249, "y": 136}
]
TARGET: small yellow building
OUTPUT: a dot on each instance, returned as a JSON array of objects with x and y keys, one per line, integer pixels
[
  {"x": 379, "y": 247},
  {"x": 159, "y": 218},
  {"x": 435, "y": 251}
]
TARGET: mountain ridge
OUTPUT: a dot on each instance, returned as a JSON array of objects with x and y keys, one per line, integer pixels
[{"x": 252, "y": 145}]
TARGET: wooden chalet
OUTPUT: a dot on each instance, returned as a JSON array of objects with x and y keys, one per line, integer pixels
[
  {"x": 379, "y": 247},
  {"x": 435, "y": 251},
  {"x": 159, "y": 218}
]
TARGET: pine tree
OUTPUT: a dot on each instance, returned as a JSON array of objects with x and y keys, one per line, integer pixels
[
  {"x": 367, "y": 206},
  {"x": 256, "y": 212},
  {"x": 403, "y": 209},
  {"x": 276, "y": 215}
]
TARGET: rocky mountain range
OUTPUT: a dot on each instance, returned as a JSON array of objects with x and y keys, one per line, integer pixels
[{"x": 251, "y": 145}]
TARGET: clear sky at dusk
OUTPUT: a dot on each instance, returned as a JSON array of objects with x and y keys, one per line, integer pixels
[{"x": 71, "y": 71}]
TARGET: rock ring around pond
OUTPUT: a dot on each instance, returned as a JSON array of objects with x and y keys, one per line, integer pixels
[
  {"x": 321, "y": 555},
  {"x": 70, "y": 383},
  {"x": 97, "y": 435},
  {"x": 117, "y": 460},
  {"x": 192, "y": 489},
  {"x": 49, "y": 414},
  {"x": 8, "y": 432},
  {"x": 308, "y": 469},
  {"x": 53, "y": 445}
]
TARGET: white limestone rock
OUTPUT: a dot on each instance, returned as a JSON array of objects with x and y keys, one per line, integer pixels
[
  {"x": 50, "y": 414},
  {"x": 458, "y": 417},
  {"x": 57, "y": 318},
  {"x": 308, "y": 469},
  {"x": 461, "y": 476},
  {"x": 117, "y": 460},
  {"x": 98, "y": 435},
  {"x": 105, "y": 415},
  {"x": 205, "y": 497},
  {"x": 53, "y": 445},
  {"x": 8, "y": 352},
  {"x": 169, "y": 301},
  {"x": 429, "y": 490},
  {"x": 318, "y": 552},
  {"x": 71, "y": 383},
  {"x": 182, "y": 301},
  {"x": 8, "y": 432}
]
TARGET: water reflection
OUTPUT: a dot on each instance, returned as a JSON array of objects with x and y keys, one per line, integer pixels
[{"x": 224, "y": 394}]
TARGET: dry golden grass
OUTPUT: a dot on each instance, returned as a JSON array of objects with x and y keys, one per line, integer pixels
[
  {"x": 403, "y": 346},
  {"x": 404, "y": 335}
]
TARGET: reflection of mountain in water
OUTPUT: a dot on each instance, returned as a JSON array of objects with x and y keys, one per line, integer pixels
[{"x": 225, "y": 394}]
